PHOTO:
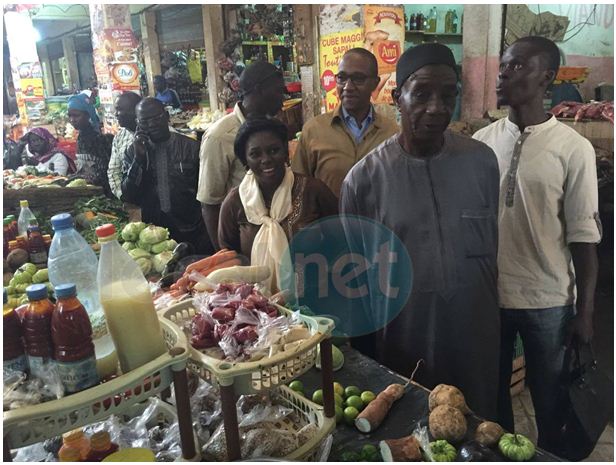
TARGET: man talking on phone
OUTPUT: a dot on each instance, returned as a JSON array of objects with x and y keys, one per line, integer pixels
[{"x": 160, "y": 174}]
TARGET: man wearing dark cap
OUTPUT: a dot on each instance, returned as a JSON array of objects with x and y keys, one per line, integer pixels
[
  {"x": 160, "y": 173},
  {"x": 438, "y": 192},
  {"x": 262, "y": 88},
  {"x": 330, "y": 144},
  {"x": 549, "y": 227}
]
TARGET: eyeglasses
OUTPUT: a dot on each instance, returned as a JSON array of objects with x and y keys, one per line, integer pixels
[
  {"x": 356, "y": 78},
  {"x": 151, "y": 121}
]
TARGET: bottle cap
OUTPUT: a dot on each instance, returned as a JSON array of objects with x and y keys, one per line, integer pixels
[
  {"x": 69, "y": 454},
  {"x": 66, "y": 290},
  {"x": 105, "y": 230},
  {"x": 61, "y": 221},
  {"x": 36, "y": 292},
  {"x": 73, "y": 435},
  {"x": 24, "y": 204},
  {"x": 100, "y": 440},
  {"x": 13, "y": 243}
]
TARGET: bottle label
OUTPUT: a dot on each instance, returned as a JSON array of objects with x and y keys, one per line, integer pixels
[
  {"x": 39, "y": 366},
  {"x": 16, "y": 364},
  {"x": 77, "y": 376}
]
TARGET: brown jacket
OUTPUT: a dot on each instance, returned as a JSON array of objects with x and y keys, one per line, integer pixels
[{"x": 327, "y": 150}]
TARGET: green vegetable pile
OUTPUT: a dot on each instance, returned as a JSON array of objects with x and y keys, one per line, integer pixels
[
  {"x": 91, "y": 213},
  {"x": 26, "y": 275},
  {"x": 148, "y": 245}
]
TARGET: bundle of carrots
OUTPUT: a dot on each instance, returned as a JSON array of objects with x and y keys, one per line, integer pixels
[{"x": 200, "y": 269}]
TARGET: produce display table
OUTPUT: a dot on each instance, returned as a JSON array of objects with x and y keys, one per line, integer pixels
[
  {"x": 46, "y": 200},
  {"x": 367, "y": 374}
]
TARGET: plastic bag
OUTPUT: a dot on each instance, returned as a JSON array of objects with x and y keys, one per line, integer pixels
[
  {"x": 421, "y": 434},
  {"x": 20, "y": 392},
  {"x": 34, "y": 453}
]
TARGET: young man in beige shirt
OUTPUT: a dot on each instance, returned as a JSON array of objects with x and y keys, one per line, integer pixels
[
  {"x": 548, "y": 231},
  {"x": 332, "y": 143}
]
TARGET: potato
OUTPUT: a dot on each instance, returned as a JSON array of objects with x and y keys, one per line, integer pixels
[
  {"x": 444, "y": 394},
  {"x": 488, "y": 433},
  {"x": 447, "y": 423}
]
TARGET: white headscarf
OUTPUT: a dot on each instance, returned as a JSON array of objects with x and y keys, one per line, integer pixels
[{"x": 270, "y": 247}]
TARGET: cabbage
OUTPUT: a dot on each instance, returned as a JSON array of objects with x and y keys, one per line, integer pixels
[
  {"x": 145, "y": 264},
  {"x": 171, "y": 245},
  {"x": 159, "y": 261},
  {"x": 10, "y": 289},
  {"x": 138, "y": 253},
  {"x": 129, "y": 246},
  {"x": 163, "y": 246},
  {"x": 144, "y": 246},
  {"x": 131, "y": 231},
  {"x": 77, "y": 183},
  {"x": 153, "y": 235},
  {"x": 40, "y": 276}
]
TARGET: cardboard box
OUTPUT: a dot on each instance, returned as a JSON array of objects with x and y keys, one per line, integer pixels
[{"x": 599, "y": 133}]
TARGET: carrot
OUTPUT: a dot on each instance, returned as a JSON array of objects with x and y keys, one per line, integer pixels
[
  {"x": 225, "y": 264},
  {"x": 182, "y": 282},
  {"x": 376, "y": 411},
  {"x": 213, "y": 260},
  {"x": 175, "y": 293}
]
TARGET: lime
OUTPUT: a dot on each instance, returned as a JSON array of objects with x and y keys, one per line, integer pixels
[
  {"x": 317, "y": 397},
  {"x": 338, "y": 400},
  {"x": 367, "y": 397},
  {"x": 339, "y": 389},
  {"x": 352, "y": 391},
  {"x": 297, "y": 385},
  {"x": 339, "y": 414},
  {"x": 355, "y": 401},
  {"x": 350, "y": 413},
  {"x": 369, "y": 453}
]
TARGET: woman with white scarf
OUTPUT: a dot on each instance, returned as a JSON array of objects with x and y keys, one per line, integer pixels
[{"x": 260, "y": 216}]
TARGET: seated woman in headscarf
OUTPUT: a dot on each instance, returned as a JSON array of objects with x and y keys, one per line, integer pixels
[
  {"x": 42, "y": 152},
  {"x": 271, "y": 204},
  {"x": 93, "y": 148}
]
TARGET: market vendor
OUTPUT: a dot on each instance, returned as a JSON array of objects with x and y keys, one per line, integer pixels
[
  {"x": 159, "y": 174},
  {"x": 438, "y": 192},
  {"x": 331, "y": 143},
  {"x": 271, "y": 204},
  {"x": 125, "y": 114},
  {"x": 166, "y": 95},
  {"x": 262, "y": 88},
  {"x": 548, "y": 227},
  {"x": 41, "y": 151},
  {"x": 93, "y": 148}
]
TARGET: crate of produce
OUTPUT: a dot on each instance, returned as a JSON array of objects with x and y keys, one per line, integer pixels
[
  {"x": 36, "y": 423},
  {"x": 46, "y": 200},
  {"x": 253, "y": 376}
]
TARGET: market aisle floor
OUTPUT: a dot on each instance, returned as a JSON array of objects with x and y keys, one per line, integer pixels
[{"x": 524, "y": 414}]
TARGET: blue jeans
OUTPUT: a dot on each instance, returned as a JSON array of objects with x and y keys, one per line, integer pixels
[{"x": 543, "y": 334}]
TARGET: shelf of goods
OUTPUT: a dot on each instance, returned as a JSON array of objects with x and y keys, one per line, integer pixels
[
  {"x": 237, "y": 378},
  {"x": 47, "y": 201},
  {"x": 29, "y": 425}
]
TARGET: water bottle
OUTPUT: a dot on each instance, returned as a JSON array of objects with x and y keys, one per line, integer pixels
[
  {"x": 25, "y": 216},
  {"x": 72, "y": 260}
]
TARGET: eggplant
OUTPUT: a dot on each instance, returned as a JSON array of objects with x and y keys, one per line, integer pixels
[
  {"x": 168, "y": 279},
  {"x": 183, "y": 249},
  {"x": 472, "y": 451}
]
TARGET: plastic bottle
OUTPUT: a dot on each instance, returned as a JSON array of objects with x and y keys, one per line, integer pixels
[
  {"x": 101, "y": 446},
  {"x": 36, "y": 246},
  {"x": 13, "y": 355},
  {"x": 6, "y": 237},
  {"x": 72, "y": 260},
  {"x": 75, "y": 439},
  {"x": 127, "y": 303},
  {"x": 432, "y": 20},
  {"x": 420, "y": 22},
  {"x": 71, "y": 333},
  {"x": 448, "y": 22},
  {"x": 412, "y": 22},
  {"x": 24, "y": 218},
  {"x": 37, "y": 329},
  {"x": 454, "y": 22}
]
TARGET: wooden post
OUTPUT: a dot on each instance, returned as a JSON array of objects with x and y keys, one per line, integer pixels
[
  {"x": 41, "y": 50},
  {"x": 327, "y": 371},
  {"x": 68, "y": 45},
  {"x": 213, "y": 36},
  {"x": 229, "y": 416},
  {"x": 151, "y": 52}
]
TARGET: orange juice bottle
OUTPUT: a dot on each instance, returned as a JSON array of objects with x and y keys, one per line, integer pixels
[
  {"x": 13, "y": 354},
  {"x": 71, "y": 332}
]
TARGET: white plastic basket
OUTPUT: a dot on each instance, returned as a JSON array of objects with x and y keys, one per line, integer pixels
[
  {"x": 29, "y": 425},
  {"x": 253, "y": 377}
]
